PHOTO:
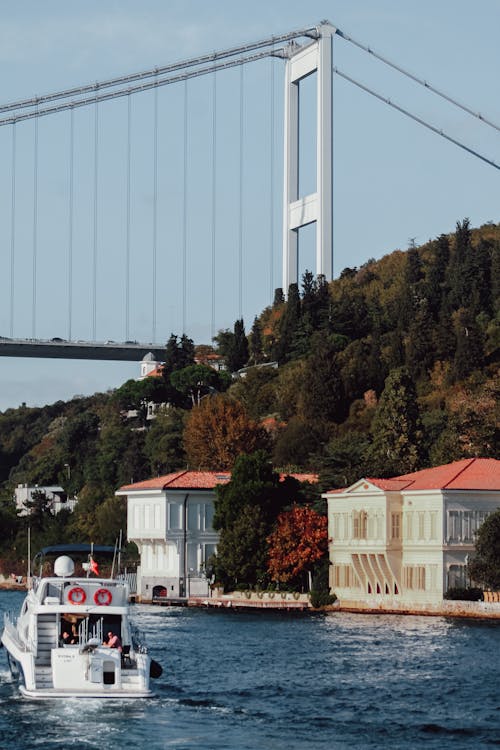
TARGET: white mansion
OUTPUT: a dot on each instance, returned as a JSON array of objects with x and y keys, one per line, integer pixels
[
  {"x": 406, "y": 540},
  {"x": 170, "y": 520}
]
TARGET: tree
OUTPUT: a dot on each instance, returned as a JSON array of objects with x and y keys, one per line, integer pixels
[
  {"x": 485, "y": 564},
  {"x": 163, "y": 445},
  {"x": 197, "y": 381},
  {"x": 469, "y": 352},
  {"x": 233, "y": 346},
  {"x": 245, "y": 511},
  {"x": 218, "y": 431},
  {"x": 344, "y": 461},
  {"x": 289, "y": 325},
  {"x": 241, "y": 554},
  {"x": 323, "y": 392},
  {"x": 179, "y": 353},
  {"x": 253, "y": 482},
  {"x": 255, "y": 344},
  {"x": 396, "y": 427},
  {"x": 136, "y": 395},
  {"x": 299, "y": 540}
]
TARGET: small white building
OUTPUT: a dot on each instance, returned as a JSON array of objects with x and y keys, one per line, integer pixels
[
  {"x": 57, "y": 499},
  {"x": 170, "y": 520},
  {"x": 406, "y": 540}
]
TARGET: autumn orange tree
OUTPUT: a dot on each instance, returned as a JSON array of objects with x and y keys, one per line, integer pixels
[
  {"x": 300, "y": 540},
  {"x": 218, "y": 431}
]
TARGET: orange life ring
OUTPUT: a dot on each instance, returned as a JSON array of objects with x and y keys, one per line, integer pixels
[
  {"x": 77, "y": 595},
  {"x": 103, "y": 597}
]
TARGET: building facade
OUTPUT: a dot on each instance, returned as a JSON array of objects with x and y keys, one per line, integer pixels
[
  {"x": 56, "y": 499},
  {"x": 407, "y": 540},
  {"x": 169, "y": 518}
]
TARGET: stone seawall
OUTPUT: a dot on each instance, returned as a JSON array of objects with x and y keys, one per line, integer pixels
[{"x": 447, "y": 608}]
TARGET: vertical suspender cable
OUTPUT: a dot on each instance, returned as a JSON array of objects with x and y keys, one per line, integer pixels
[
  {"x": 35, "y": 226},
  {"x": 155, "y": 208},
  {"x": 94, "y": 253},
  {"x": 271, "y": 183},
  {"x": 184, "y": 210},
  {"x": 214, "y": 188},
  {"x": 240, "y": 233},
  {"x": 12, "y": 229},
  {"x": 127, "y": 238},
  {"x": 70, "y": 218}
]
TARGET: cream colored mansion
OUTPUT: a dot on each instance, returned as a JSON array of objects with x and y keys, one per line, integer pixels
[{"x": 406, "y": 540}]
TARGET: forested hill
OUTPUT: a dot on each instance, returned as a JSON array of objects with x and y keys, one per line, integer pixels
[{"x": 390, "y": 368}]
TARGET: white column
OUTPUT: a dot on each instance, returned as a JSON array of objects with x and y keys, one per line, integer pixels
[{"x": 298, "y": 211}]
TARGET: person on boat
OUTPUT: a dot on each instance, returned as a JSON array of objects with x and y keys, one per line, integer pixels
[
  {"x": 113, "y": 641},
  {"x": 66, "y": 639}
]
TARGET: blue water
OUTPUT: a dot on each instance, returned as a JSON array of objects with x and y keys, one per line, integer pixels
[{"x": 260, "y": 680}]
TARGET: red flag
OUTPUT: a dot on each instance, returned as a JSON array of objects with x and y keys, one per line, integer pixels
[{"x": 94, "y": 567}]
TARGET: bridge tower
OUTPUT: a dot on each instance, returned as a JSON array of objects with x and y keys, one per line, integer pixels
[{"x": 298, "y": 211}]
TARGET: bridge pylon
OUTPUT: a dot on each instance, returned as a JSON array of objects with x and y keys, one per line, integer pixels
[{"x": 298, "y": 211}]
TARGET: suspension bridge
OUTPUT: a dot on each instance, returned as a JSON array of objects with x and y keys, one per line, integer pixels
[{"x": 156, "y": 196}]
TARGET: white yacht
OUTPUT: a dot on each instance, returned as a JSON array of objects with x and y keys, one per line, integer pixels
[{"x": 55, "y": 646}]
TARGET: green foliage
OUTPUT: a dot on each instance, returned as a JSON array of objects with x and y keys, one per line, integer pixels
[
  {"x": 233, "y": 346},
  {"x": 322, "y": 598},
  {"x": 257, "y": 391},
  {"x": 163, "y": 443},
  {"x": 345, "y": 460},
  {"x": 485, "y": 564},
  {"x": 433, "y": 309},
  {"x": 197, "y": 381},
  {"x": 245, "y": 510},
  {"x": 323, "y": 392},
  {"x": 396, "y": 428}
]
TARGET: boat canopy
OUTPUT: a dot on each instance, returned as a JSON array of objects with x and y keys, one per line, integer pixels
[{"x": 77, "y": 549}]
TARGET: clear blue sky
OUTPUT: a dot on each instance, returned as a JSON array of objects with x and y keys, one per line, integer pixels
[{"x": 393, "y": 180}]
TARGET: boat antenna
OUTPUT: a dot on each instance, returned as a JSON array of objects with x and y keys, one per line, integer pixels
[
  {"x": 114, "y": 558},
  {"x": 120, "y": 552},
  {"x": 91, "y": 557}
]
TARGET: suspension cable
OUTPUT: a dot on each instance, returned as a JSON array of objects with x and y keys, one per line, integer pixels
[
  {"x": 417, "y": 119},
  {"x": 420, "y": 81},
  {"x": 86, "y": 101},
  {"x": 12, "y": 229},
  {"x": 310, "y": 32}
]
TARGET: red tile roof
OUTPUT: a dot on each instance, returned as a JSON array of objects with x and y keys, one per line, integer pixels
[
  {"x": 199, "y": 480},
  {"x": 467, "y": 474}
]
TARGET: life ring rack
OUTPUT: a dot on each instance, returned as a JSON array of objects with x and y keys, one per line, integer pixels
[
  {"x": 103, "y": 597},
  {"x": 77, "y": 595}
]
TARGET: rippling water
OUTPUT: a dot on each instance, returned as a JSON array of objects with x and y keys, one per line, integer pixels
[{"x": 260, "y": 680}]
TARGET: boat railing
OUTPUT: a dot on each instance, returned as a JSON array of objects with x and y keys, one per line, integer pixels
[
  {"x": 138, "y": 640},
  {"x": 10, "y": 624}
]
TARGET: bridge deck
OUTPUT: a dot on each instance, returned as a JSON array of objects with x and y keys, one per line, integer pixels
[{"x": 133, "y": 352}]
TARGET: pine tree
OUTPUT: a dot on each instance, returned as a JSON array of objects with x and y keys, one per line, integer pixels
[
  {"x": 289, "y": 325},
  {"x": 323, "y": 393},
  {"x": 469, "y": 351},
  {"x": 396, "y": 428},
  {"x": 255, "y": 345}
]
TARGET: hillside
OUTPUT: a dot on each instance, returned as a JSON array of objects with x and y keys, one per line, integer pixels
[{"x": 390, "y": 368}]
